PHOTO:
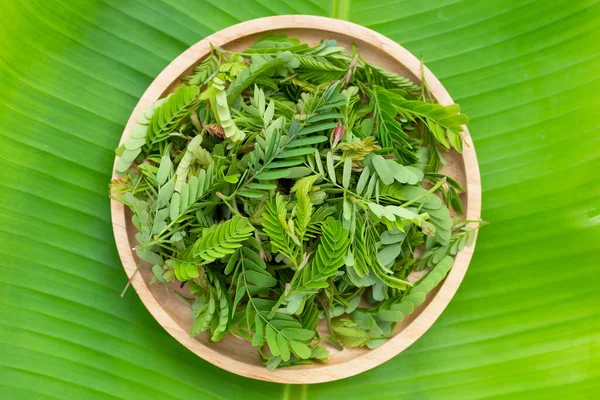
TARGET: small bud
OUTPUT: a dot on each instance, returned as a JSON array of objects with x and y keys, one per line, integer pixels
[
  {"x": 215, "y": 130},
  {"x": 263, "y": 255},
  {"x": 196, "y": 121},
  {"x": 336, "y": 135}
]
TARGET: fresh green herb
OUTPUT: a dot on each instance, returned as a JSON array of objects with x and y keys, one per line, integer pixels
[{"x": 287, "y": 185}]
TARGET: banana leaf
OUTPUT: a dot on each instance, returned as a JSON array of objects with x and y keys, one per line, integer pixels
[{"x": 524, "y": 323}]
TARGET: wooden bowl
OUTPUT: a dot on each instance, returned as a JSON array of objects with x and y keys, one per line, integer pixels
[{"x": 238, "y": 356}]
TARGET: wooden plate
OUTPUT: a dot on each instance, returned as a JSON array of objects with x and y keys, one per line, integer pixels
[{"x": 238, "y": 356}]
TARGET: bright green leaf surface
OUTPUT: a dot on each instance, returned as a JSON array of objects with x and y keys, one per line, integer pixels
[{"x": 522, "y": 326}]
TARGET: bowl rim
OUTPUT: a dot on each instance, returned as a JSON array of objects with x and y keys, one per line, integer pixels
[{"x": 394, "y": 345}]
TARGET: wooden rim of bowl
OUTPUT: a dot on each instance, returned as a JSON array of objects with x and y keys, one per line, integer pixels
[{"x": 322, "y": 372}]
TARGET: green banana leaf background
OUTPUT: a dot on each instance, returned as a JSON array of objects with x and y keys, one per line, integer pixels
[{"x": 524, "y": 324}]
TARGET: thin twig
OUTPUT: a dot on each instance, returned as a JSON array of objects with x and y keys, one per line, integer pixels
[
  {"x": 332, "y": 339},
  {"x": 137, "y": 268}
]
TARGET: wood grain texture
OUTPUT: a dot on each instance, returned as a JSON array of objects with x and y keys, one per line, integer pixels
[{"x": 238, "y": 356}]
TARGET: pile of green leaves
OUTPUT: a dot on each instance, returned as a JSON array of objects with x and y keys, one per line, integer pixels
[{"x": 289, "y": 184}]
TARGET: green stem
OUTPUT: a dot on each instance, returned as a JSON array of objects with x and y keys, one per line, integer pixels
[
  {"x": 166, "y": 228},
  {"x": 167, "y": 247},
  {"x": 152, "y": 243},
  {"x": 250, "y": 300},
  {"x": 285, "y": 294},
  {"x": 226, "y": 202},
  {"x": 332, "y": 339},
  {"x": 343, "y": 189},
  {"x": 430, "y": 191},
  {"x": 158, "y": 239},
  {"x": 279, "y": 267},
  {"x": 276, "y": 306},
  {"x": 205, "y": 204}
]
